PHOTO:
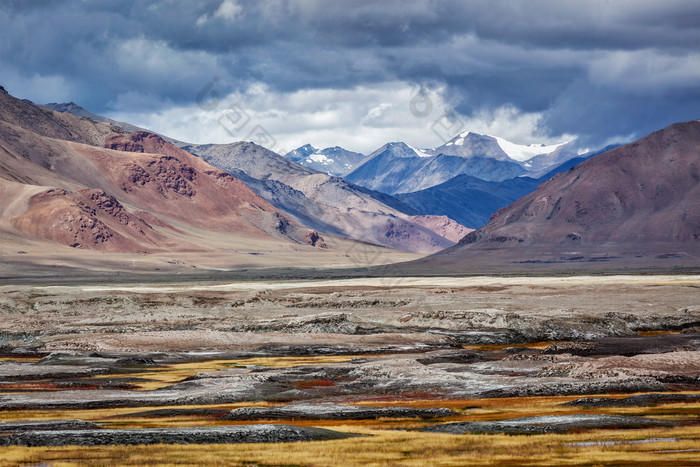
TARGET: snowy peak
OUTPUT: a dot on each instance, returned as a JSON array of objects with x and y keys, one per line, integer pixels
[
  {"x": 536, "y": 159},
  {"x": 400, "y": 168},
  {"x": 459, "y": 139},
  {"x": 333, "y": 160},
  {"x": 398, "y": 149},
  {"x": 301, "y": 153},
  {"x": 468, "y": 143}
]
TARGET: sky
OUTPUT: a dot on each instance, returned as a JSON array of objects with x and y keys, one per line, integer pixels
[{"x": 359, "y": 74}]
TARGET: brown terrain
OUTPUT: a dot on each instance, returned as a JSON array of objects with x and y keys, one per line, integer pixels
[
  {"x": 442, "y": 225},
  {"x": 635, "y": 206},
  {"x": 69, "y": 185}
]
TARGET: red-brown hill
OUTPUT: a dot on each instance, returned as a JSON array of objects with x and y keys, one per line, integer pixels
[{"x": 88, "y": 185}]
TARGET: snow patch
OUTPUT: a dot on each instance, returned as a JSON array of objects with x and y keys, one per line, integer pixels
[
  {"x": 319, "y": 159},
  {"x": 420, "y": 152},
  {"x": 523, "y": 152}
]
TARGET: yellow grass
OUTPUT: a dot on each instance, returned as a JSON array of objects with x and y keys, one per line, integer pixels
[
  {"x": 387, "y": 441},
  {"x": 656, "y": 333},
  {"x": 383, "y": 447},
  {"x": 20, "y": 359},
  {"x": 492, "y": 347}
]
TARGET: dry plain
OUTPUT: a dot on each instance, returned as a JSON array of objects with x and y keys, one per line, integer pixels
[{"x": 132, "y": 371}]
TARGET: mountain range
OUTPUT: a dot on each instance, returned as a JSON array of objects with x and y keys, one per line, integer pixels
[
  {"x": 465, "y": 198},
  {"x": 83, "y": 182},
  {"x": 301, "y": 195},
  {"x": 397, "y": 168},
  {"x": 634, "y": 206},
  {"x": 471, "y": 201},
  {"x": 323, "y": 202},
  {"x": 88, "y": 185}
]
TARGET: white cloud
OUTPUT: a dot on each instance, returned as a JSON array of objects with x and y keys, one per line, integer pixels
[
  {"x": 350, "y": 118},
  {"x": 228, "y": 10},
  {"x": 645, "y": 70}
]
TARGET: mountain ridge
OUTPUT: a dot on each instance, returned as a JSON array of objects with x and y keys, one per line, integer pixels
[
  {"x": 398, "y": 168},
  {"x": 89, "y": 185},
  {"x": 322, "y": 201},
  {"x": 634, "y": 205}
]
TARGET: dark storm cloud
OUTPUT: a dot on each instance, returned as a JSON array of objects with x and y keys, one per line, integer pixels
[{"x": 595, "y": 68}]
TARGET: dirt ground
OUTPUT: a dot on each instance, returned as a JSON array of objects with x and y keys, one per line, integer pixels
[{"x": 193, "y": 351}]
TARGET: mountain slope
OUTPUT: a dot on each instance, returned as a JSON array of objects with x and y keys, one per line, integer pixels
[
  {"x": 138, "y": 193},
  {"x": 398, "y": 168},
  {"x": 322, "y": 202},
  {"x": 75, "y": 109},
  {"x": 635, "y": 203},
  {"x": 535, "y": 159},
  {"x": 471, "y": 201}
]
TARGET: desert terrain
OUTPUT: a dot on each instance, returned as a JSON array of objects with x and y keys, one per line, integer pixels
[{"x": 379, "y": 371}]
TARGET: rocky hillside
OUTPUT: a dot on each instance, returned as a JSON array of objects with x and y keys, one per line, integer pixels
[{"x": 89, "y": 185}]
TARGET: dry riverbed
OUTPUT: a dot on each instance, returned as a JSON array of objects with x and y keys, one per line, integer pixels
[{"x": 457, "y": 365}]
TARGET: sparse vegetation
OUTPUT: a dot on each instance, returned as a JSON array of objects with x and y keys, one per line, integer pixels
[{"x": 384, "y": 447}]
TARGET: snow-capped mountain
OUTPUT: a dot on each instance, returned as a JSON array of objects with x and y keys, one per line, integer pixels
[
  {"x": 467, "y": 143},
  {"x": 536, "y": 159},
  {"x": 333, "y": 161},
  {"x": 399, "y": 168}
]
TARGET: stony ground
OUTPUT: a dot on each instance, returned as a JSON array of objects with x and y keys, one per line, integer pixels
[{"x": 314, "y": 350}]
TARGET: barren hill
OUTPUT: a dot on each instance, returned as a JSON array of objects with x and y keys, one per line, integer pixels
[
  {"x": 83, "y": 184},
  {"x": 635, "y": 204}
]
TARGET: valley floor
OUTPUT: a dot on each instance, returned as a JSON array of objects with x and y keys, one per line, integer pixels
[{"x": 384, "y": 371}]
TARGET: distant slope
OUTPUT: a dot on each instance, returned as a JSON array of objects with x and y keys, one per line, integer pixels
[
  {"x": 535, "y": 159},
  {"x": 635, "y": 205},
  {"x": 75, "y": 109},
  {"x": 397, "y": 168},
  {"x": 322, "y": 202},
  {"x": 445, "y": 226},
  {"x": 471, "y": 201}
]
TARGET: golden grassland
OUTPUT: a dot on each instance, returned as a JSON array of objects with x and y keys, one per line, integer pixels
[
  {"x": 389, "y": 447},
  {"x": 657, "y": 333},
  {"x": 387, "y": 441},
  {"x": 493, "y": 347}
]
